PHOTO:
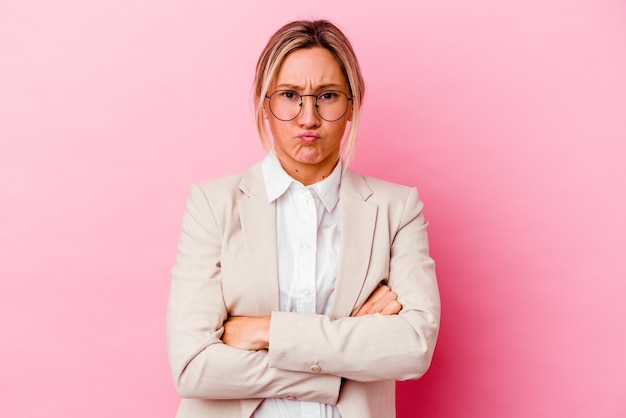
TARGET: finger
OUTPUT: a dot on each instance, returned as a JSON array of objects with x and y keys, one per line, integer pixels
[
  {"x": 373, "y": 298},
  {"x": 362, "y": 311},
  {"x": 382, "y": 302},
  {"x": 384, "y": 298},
  {"x": 379, "y": 293},
  {"x": 392, "y": 309}
]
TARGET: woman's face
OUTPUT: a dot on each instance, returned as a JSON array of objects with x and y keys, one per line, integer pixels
[{"x": 308, "y": 146}]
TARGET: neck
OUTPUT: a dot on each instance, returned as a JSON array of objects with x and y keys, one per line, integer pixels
[{"x": 309, "y": 174}]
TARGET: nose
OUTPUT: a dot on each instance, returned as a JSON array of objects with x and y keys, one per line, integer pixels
[{"x": 308, "y": 116}]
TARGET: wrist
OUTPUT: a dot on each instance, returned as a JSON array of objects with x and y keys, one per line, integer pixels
[{"x": 263, "y": 332}]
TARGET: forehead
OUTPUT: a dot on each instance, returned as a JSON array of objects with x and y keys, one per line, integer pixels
[{"x": 312, "y": 67}]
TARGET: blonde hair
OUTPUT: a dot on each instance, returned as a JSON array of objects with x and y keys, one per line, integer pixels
[{"x": 304, "y": 34}]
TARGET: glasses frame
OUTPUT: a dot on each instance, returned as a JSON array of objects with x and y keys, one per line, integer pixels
[{"x": 316, "y": 105}]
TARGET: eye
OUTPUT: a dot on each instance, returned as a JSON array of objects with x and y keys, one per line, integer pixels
[
  {"x": 289, "y": 95},
  {"x": 328, "y": 96}
]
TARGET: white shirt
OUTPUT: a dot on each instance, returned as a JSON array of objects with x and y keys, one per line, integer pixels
[{"x": 307, "y": 235}]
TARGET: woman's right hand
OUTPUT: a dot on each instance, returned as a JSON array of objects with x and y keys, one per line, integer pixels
[{"x": 247, "y": 333}]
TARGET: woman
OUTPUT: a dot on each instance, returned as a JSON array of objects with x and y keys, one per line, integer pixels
[{"x": 300, "y": 287}]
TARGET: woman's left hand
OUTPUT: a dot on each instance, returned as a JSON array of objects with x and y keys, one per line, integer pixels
[{"x": 383, "y": 300}]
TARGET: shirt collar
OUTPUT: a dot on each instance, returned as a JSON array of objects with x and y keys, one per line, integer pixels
[{"x": 277, "y": 181}]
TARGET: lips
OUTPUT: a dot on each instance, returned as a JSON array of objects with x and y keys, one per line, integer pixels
[{"x": 308, "y": 136}]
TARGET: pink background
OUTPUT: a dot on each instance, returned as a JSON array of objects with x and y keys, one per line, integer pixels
[{"x": 509, "y": 116}]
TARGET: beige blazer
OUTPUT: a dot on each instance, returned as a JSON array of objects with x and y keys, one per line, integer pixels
[{"x": 227, "y": 265}]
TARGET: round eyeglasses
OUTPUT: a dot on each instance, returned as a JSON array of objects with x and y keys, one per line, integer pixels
[{"x": 331, "y": 105}]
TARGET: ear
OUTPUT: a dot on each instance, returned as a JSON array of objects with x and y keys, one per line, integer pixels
[{"x": 265, "y": 116}]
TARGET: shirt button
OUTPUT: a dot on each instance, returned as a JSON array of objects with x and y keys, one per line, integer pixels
[{"x": 315, "y": 368}]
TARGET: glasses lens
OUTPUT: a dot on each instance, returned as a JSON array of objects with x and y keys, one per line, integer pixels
[
  {"x": 285, "y": 104},
  {"x": 332, "y": 105}
]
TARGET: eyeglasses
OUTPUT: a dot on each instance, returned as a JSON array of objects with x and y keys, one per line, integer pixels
[{"x": 331, "y": 105}]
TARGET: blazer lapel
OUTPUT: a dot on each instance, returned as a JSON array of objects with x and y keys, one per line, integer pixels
[
  {"x": 258, "y": 223},
  {"x": 357, "y": 224}
]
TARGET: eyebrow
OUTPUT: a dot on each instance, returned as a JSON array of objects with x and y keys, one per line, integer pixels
[{"x": 286, "y": 86}]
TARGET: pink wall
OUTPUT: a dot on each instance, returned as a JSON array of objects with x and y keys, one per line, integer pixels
[{"x": 509, "y": 116}]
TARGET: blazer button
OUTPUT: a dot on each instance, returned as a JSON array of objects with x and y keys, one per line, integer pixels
[{"x": 315, "y": 368}]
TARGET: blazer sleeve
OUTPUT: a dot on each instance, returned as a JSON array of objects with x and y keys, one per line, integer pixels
[
  {"x": 373, "y": 347},
  {"x": 201, "y": 365}
]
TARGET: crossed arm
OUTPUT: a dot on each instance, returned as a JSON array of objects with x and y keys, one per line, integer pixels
[
  {"x": 205, "y": 343},
  {"x": 252, "y": 333}
]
